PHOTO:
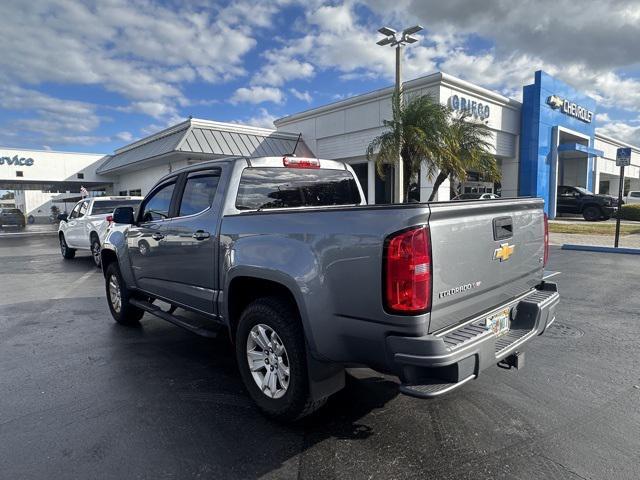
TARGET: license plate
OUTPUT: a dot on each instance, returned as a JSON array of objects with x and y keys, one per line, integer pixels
[{"x": 498, "y": 323}]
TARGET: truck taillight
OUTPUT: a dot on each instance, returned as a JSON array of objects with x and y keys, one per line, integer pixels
[
  {"x": 109, "y": 219},
  {"x": 295, "y": 162},
  {"x": 407, "y": 259},
  {"x": 546, "y": 239}
]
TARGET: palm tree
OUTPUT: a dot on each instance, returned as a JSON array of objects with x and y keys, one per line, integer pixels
[
  {"x": 464, "y": 147},
  {"x": 414, "y": 133}
]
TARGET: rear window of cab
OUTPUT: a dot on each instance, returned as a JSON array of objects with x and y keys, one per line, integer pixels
[{"x": 263, "y": 188}]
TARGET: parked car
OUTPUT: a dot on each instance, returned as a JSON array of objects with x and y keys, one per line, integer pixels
[
  {"x": 86, "y": 226},
  {"x": 476, "y": 196},
  {"x": 284, "y": 256},
  {"x": 593, "y": 207},
  {"x": 12, "y": 217},
  {"x": 632, "y": 197}
]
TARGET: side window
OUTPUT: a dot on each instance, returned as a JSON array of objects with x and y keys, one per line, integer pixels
[
  {"x": 199, "y": 191},
  {"x": 635, "y": 194},
  {"x": 74, "y": 212},
  {"x": 156, "y": 206},
  {"x": 83, "y": 209}
]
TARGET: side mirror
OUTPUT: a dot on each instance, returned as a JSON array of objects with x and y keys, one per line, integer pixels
[
  {"x": 63, "y": 217},
  {"x": 123, "y": 215}
]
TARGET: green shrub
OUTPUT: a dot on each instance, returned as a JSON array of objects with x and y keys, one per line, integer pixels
[{"x": 631, "y": 212}]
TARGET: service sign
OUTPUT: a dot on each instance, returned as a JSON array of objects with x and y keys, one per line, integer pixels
[
  {"x": 570, "y": 108},
  {"x": 623, "y": 157},
  {"x": 17, "y": 161}
]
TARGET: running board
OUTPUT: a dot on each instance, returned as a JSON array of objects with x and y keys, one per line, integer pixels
[
  {"x": 433, "y": 388},
  {"x": 169, "y": 317}
]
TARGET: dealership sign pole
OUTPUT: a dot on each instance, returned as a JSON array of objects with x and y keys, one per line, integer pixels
[{"x": 623, "y": 158}]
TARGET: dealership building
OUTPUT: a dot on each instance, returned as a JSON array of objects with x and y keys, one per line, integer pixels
[{"x": 546, "y": 140}]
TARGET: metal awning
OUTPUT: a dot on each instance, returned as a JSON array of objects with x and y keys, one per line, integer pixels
[
  {"x": 52, "y": 186},
  {"x": 579, "y": 148},
  {"x": 204, "y": 139}
]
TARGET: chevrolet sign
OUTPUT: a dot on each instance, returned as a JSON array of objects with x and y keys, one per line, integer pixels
[{"x": 570, "y": 108}]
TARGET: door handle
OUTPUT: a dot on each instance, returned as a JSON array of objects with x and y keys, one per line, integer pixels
[
  {"x": 157, "y": 236},
  {"x": 201, "y": 235}
]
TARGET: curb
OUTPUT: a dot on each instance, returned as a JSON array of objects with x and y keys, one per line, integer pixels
[
  {"x": 26, "y": 234},
  {"x": 594, "y": 248}
]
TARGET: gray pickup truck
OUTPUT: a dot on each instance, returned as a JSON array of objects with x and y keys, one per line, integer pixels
[{"x": 284, "y": 255}]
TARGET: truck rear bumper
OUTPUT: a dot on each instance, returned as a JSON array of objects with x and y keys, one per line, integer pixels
[{"x": 432, "y": 365}]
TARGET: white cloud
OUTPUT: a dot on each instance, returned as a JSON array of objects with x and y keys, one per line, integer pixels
[
  {"x": 626, "y": 131},
  {"x": 263, "y": 119},
  {"x": 257, "y": 95},
  {"x": 304, "y": 96},
  {"x": 124, "y": 136},
  {"x": 153, "y": 109}
]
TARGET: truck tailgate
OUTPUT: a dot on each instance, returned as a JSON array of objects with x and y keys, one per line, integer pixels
[{"x": 484, "y": 254}]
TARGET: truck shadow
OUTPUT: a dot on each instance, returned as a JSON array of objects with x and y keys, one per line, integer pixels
[{"x": 191, "y": 389}]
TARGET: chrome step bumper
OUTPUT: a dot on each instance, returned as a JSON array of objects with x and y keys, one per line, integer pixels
[{"x": 435, "y": 364}]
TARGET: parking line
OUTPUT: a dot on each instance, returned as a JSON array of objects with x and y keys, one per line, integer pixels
[{"x": 74, "y": 285}]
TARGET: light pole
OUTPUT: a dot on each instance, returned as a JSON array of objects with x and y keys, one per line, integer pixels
[{"x": 395, "y": 39}]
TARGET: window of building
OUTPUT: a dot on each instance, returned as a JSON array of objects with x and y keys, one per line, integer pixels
[
  {"x": 604, "y": 186},
  {"x": 81, "y": 175},
  {"x": 157, "y": 206},
  {"x": 122, "y": 193},
  {"x": 135, "y": 193},
  {"x": 199, "y": 192},
  {"x": 19, "y": 173},
  {"x": 362, "y": 172}
]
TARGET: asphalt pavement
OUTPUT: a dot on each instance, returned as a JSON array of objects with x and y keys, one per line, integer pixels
[{"x": 84, "y": 398}]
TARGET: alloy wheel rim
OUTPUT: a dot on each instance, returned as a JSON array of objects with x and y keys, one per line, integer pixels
[
  {"x": 63, "y": 245},
  {"x": 114, "y": 294},
  {"x": 268, "y": 361}
]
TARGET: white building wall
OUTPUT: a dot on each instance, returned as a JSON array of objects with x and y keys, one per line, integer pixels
[
  {"x": 345, "y": 129},
  {"x": 48, "y": 166},
  {"x": 147, "y": 177}
]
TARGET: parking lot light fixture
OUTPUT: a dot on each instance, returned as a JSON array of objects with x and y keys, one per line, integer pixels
[{"x": 393, "y": 39}]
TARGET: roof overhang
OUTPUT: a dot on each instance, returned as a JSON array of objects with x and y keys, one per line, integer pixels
[
  {"x": 580, "y": 149},
  {"x": 203, "y": 140}
]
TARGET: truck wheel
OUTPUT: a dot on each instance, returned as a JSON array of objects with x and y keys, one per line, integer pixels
[
  {"x": 270, "y": 350},
  {"x": 95, "y": 251},
  {"x": 591, "y": 214},
  {"x": 67, "y": 253},
  {"x": 118, "y": 298}
]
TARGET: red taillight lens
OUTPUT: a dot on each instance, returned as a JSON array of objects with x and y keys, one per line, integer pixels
[
  {"x": 546, "y": 239},
  {"x": 110, "y": 218},
  {"x": 294, "y": 162},
  {"x": 408, "y": 271}
]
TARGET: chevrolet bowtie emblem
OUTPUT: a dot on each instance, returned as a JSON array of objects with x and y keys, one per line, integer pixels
[
  {"x": 503, "y": 252},
  {"x": 555, "y": 101}
]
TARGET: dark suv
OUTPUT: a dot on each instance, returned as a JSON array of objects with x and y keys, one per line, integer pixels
[
  {"x": 592, "y": 206},
  {"x": 11, "y": 217}
]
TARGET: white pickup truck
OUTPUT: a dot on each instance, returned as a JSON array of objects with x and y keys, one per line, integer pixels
[
  {"x": 632, "y": 197},
  {"x": 85, "y": 227}
]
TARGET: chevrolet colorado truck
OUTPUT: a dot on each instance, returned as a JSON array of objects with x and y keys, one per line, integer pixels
[
  {"x": 284, "y": 256},
  {"x": 86, "y": 226}
]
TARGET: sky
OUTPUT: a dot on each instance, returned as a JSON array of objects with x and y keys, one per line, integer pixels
[{"x": 94, "y": 76}]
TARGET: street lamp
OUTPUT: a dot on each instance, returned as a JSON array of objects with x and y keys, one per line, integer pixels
[{"x": 397, "y": 40}]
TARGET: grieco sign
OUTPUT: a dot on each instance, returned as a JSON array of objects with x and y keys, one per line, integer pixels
[
  {"x": 17, "y": 161},
  {"x": 471, "y": 107},
  {"x": 570, "y": 108}
]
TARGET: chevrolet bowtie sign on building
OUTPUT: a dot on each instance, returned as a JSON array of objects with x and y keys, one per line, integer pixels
[{"x": 570, "y": 108}]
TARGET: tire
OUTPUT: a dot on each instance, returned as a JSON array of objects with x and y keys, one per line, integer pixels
[
  {"x": 118, "y": 298},
  {"x": 95, "y": 251},
  {"x": 67, "y": 253},
  {"x": 289, "y": 400},
  {"x": 592, "y": 213}
]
